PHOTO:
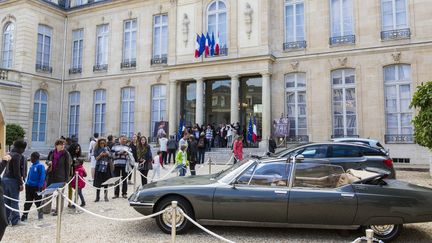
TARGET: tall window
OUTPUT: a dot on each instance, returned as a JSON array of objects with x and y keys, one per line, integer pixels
[
  {"x": 127, "y": 111},
  {"x": 129, "y": 42},
  {"x": 74, "y": 113},
  {"x": 39, "y": 116},
  {"x": 294, "y": 21},
  {"x": 397, "y": 82},
  {"x": 160, "y": 38},
  {"x": 344, "y": 103},
  {"x": 77, "y": 49},
  {"x": 394, "y": 14},
  {"x": 43, "y": 48},
  {"x": 159, "y": 107},
  {"x": 99, "y": 111},
  {"x": 296, "y": 103},
  {"x": 217, "y": 21},
  {"x": 102, "y": 45},
  {"x": 342, "y": 20},
  {"x": 7, "y": 50}
]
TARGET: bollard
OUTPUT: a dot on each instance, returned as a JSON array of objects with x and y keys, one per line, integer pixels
[
  {"x": 210, "y": 163},
  {"x": 173, "y": 221},
  {"x": 369, "y": 235},
  {"x": 76, "y": 191},
  {"x": 134, "y": 176},
  {"x": 59, "y": 213}
]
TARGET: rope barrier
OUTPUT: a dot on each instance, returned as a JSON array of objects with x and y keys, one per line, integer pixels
[
  {"x": 204, "y": 229},
  {"x": 110, "y": 187},
  {"x": 163, "y": 177},
  {"x": 31, "y": 210},
  {"x": 115, "y": 219}
]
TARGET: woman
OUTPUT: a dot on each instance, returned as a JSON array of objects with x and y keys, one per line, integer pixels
[
  {"x": 134, "y": 147},
  {"x": 238, "y": 149},
  {"x": 103, "y": 168},
  {"x": 75, "y": 153},
  {"x": 144, "y": 159},
  {"x": 201, "y": 148}
]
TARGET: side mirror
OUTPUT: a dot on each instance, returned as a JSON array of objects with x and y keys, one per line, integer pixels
[{"x": 299, "y": 158}]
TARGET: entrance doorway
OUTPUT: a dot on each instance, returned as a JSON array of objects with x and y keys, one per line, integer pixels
[
  {"x": 251, "y": 105},
  {"x": 217, "y": 102}
]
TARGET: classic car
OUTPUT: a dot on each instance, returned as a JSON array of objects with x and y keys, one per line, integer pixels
[{"x": 284, "y": 193}]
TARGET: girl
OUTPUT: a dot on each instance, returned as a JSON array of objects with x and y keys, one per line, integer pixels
[
  {"x": 157, "y": 164},
  {"x": 144, "y": 159},
  {"x": 81, "y": 183},
  {"x": 102, "y": 170},
  {"x": 238, "y": 149}
]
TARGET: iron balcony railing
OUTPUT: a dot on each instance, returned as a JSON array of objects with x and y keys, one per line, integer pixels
[
  {"x": 43, "y": 68},
  {"x": 396, "y": 34},
  {"x": 399, "y": 138},
  {"x": 344, "y": 136},
  {"x": 298, "y": 139},
  {"x": 294, "y": 45},
  {"x": 128, "y": 64},
  {"x": 342, "y": 40},
  {"x": 75, "y": 70},
  {"x": 100, "y": 67},
  {"x": 159, "y": 60}
]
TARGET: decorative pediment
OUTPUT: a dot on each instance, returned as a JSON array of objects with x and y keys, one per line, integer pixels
[
  {"x": 43, "y": 85},
  {"x": 8, "y": 18}
]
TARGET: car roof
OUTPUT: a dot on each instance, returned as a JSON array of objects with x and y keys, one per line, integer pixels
[{"x": 355, "y": 139}]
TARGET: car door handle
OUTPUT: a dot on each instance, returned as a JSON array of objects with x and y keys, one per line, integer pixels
[
  {"x": 280, "y": 192},
  {"x": 347, "y": 195}
]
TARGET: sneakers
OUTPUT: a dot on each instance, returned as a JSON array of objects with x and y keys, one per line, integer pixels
[{"x": 124, "y": 196}]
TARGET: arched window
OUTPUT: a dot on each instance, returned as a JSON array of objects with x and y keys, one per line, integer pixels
[
  {"x": 99, "y": 111},
  {"x": 158, "y": 108},
  {"x": 74, "y": 113},
  {"x": 7, "y": 49},
  {"x": 217, "y": 22},
  {"x": 295, "y": 85},
  {"x": 344, "y": 103},
  {"x": 39, "y": 116},
  {"x": 127, "y": 124}
]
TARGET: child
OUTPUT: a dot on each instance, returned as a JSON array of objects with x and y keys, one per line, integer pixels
[
  {"x": 34, "y": 183},
  {"x": 238, "y": 149},
  {"x": 157, "y": 164},
  {"x": 81, "y": 183},
  {"x": 181, "y": 160}
]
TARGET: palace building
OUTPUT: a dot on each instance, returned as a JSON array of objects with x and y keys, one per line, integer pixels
[{"x": 334, "y": 68}]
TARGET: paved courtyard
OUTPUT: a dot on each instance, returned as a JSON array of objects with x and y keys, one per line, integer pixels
[{"x": 86, "y": 228}]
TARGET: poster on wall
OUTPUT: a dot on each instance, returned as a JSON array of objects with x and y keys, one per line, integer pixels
[
  {"x": 281, "y": 127},
  {"x": 160, "y": 128}
]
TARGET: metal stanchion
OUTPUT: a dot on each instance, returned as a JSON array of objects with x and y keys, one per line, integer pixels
[
  {"x": 76, "y": 190},
  {"x": 134, "y": 176},
  {"x": 173, "y": 220},
  {"x": 210, "y": 163},
  {"x": 369, "y": 235},
  {"x": 59, "y": 213}
]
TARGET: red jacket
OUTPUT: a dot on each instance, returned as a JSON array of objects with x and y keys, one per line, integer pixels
[
  {"x": 238, "y": 149},
  {"x": 81, "y": 172}
]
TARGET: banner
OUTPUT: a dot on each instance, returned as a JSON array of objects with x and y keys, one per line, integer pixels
[
  {"x": 160, "y": 128},
  {"x": 281, "y": 127}
]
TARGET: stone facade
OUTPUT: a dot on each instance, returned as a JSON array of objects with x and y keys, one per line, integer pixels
[{"x": 255, "y": 47}]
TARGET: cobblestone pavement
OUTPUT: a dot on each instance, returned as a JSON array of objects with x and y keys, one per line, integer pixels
[{"x": 86, "y": 228}]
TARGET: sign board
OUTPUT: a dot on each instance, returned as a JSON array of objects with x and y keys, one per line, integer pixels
[
  {"x": 281, "y": 127},
  {"x": 51, "y": 189},
  {"x": 111, "y": 181}
]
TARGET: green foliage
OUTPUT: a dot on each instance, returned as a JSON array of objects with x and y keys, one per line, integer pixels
[
  {"x": 13, "y": 132},
  {"x": 422, "y": 101}
]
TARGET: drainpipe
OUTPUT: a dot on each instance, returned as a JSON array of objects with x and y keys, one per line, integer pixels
[{"x": 63, "y": 76}]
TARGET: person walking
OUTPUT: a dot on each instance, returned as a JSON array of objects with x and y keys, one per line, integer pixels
[
  {"x": 157, "y": 164},
  {"x": 92, "y": 160},
  {"x": 182, "y": 161},
  {"x": 238, "y": 149},
  {"x": 163, "y": 142},
  {"x": 80, "y": 170},
  {"x": 13, "y": 182},
  {"x": 103, "y": 169},
  {"x": 192, "y": 154},
  {"x": 201, "y": 148},
  {"x": 144, "y": 159},
  {"x": 75, "y": 153},
  {"x": 59, "y": 161},
  {"x": 172, "y": 148},
  {"x": 120, "y": 154},
  {"x": 34, "y": 184}
]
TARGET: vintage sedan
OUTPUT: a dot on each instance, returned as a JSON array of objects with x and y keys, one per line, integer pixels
[{"x": 280, "y": 193}]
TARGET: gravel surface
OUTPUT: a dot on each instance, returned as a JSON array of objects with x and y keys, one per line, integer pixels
[{"x": 83, "y": 227}]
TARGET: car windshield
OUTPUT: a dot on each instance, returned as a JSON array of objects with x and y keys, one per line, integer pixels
[{"x": 230, "y": 173}]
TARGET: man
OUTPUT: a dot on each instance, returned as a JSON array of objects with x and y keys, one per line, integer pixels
[
  {"x": 120, "y": 153},
  {"x": 92, "y": 159},
  {"x": 184, "y": 140},
  {"x": 209, "y": 137},
  {"x": 13, "y": 181},
  {"x": 163, "y": 142}
]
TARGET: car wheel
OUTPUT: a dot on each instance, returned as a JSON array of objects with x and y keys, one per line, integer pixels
[
  {"x": 164, "y": 220},
  {"x": 386, "y": 233}
]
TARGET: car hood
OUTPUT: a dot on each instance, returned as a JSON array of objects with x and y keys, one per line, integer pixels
[{"x": 200, "y": 180}]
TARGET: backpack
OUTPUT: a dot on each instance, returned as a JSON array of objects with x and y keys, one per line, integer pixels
[{"x": 201, "y": 143}]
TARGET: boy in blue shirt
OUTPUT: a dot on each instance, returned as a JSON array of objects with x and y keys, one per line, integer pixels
[{"x": 34, "y": 183}]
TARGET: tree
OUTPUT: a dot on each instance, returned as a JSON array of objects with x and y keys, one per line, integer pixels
[
  {"x": 13, "y": 133},
  {"x": 422, "y": 100}
]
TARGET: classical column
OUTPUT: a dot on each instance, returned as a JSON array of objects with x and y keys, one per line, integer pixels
[
  {"x": 172, "y": 107},
  {"x": 199, "y": 109},
  {"x": 266, "y": 106},
  {"x": 234, "y": 98}
]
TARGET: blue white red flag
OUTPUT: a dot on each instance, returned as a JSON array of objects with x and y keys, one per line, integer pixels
[
  {"x": 207, "y": 45},
  {"x": 217, "y": 47},
  {"x": 212, "y": 45},
  {"x": 202, "y": 45},
  {"x": 254, "y": 131},
  {"x": 250, "y": 130},
  {"x": 197, "y": 46}
]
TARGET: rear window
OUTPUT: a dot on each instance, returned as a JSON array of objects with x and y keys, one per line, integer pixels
[
  {"x": 371, "y": 152},
  {"x": 344, "y": 151}
]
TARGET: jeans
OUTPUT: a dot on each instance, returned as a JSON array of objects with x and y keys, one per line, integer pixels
[
  {"x": 31, "y": 194},
  {"x": 120, "y": 171},
  {"x": 201, "y": 154},
  {"x": 81, "y": 196},
  {"x": 171, "y": 152},
  {"x": 209, "y": 143},
  {"x": 182, "y": 171},
  {"x": 144, "y": 179},
  {"x": 11, "y": 189}
]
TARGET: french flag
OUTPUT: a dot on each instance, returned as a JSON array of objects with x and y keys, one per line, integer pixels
[
  {"x": 217, "y": 47},
  {"x": 197, "y": 46},
  {"x": 207, "y": 46},
  {"x": 254, "y": 131}
]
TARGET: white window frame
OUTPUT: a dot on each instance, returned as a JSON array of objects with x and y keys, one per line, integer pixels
[
  {"x": 218, "y": 12},
  {"x": 99, "y": 110},
  {"x": 397, "y": 83},
  {"x": 46, "y": 32},
  {"x": 296, "y": 90},
  {"x": 344, "y": 87},
  {"x": 8, "y": 35},
  {"x": 159, "y": 99},
  {"x": 294, "y": 4},
  {"x": 129, "y": 54},
  {"x": 77, "y": 51},
  {"x": 163, "y": 44},
  {"x": 74, "y": 113},
  {"x": 102, "y": 37},
  {"x": 127, "y": 127},
  {"x": 394, "y": 18},
  {"x": 39, "y": 101},
  {"x": 342, "y": 14}
]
